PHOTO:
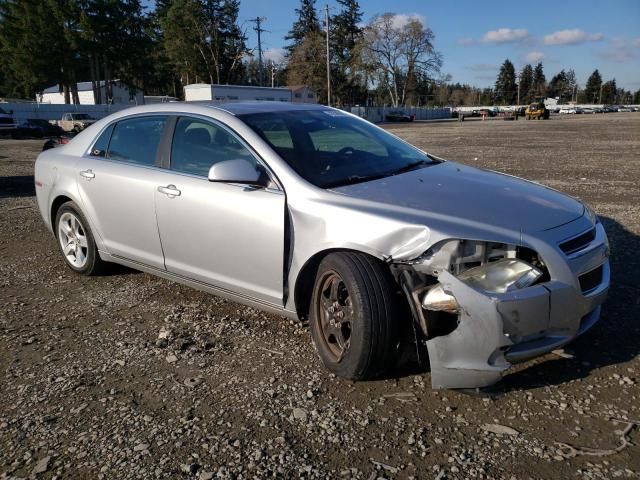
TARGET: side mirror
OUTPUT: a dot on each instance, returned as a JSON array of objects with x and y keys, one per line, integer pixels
[{"x": 238, "y": 171}]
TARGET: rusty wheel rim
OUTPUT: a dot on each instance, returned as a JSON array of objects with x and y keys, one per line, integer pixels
[{"x": 335, "y": 315}]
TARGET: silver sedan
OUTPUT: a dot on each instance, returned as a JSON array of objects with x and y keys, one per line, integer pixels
[{"x": 315, "y": 214}]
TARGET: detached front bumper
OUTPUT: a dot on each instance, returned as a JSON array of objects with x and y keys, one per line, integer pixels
[{"x": 497, "y": 330}]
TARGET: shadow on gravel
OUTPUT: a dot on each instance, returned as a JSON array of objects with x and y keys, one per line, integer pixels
[
  {"x": 18, "y": 186},
  {"x": 614, "y": 339},
  {"x": 114, "y": 269}
]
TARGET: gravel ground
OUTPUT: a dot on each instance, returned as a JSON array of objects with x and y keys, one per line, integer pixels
[{"x": 129, "y": 376}]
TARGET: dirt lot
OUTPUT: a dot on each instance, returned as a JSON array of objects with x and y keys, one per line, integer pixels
[{"x": 130, "y": 376}]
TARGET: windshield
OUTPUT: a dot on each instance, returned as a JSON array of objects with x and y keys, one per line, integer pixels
[
  {"x": 330, "y": 148},
  {"x": 2, "y": 112},
  {"x": 81, "y": 116}
]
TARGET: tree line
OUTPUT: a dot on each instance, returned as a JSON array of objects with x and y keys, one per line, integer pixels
[
  {"x": 391, "y": 60},
  {"x": 177, "y": 42},
  {"x": 530, "y": 83}
]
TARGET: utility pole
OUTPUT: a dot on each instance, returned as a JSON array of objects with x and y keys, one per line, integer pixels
[
  {"x": 274, "y": 69},
  {"x": 259, "y": 29},
  {"x": 326, "y": 9},
  {"x": 600, "y": 99}
]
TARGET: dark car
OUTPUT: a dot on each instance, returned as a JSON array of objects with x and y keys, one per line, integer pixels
[
  {"x": 399, "y": 116},
  {"x": 37, "y": 128}
]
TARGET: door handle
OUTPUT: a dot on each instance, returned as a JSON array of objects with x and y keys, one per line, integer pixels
[
  {"x": 88, "y": 174},
  {"x": 170, "y": 190}
]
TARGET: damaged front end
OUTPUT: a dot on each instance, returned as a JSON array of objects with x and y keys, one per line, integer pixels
[{"x": 483, "y": 306}]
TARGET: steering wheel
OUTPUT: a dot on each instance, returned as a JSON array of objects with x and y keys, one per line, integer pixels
[{"x": 346, "y": 151}]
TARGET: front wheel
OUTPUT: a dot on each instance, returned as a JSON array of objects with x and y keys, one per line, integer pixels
[
  {"x": 354, "y": 315},
  {"x": 76, "y": 241}
]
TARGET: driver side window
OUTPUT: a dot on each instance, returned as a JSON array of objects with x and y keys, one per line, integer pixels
[{"x": 197, "y": 145}]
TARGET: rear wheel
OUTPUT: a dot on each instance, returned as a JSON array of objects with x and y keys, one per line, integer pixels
[
  {"x": 76, "y": 240},
  {"x": 354, "y": 316}
]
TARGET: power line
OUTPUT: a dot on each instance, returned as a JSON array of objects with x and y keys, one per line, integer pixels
[{"x": 259, "y": 29}]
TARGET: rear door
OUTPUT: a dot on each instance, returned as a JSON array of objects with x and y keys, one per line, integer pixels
[
  {"x": 117, "y": 182},
  {"x": 227, "y": 235}
]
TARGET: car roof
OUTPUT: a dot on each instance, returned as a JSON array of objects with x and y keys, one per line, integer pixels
[{"x": 241, "y": 108}]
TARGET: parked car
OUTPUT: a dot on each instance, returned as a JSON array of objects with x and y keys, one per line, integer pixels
[
  {"x": 314, "y": 213},
  {"x": 75, "y": 122},
  {"x": 568, "y": 110},
  {"x": 624, "y": 109},
  {"x": 56, "y": 142},
  {"x": 398, "y": 116},
  {"x": 7, "y": 123},
  {"x": 487, "y": 112},
  {"x": 37, "y": 128}
]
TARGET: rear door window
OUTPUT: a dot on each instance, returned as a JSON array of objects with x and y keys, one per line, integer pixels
[{"x": 136, "y": 140}]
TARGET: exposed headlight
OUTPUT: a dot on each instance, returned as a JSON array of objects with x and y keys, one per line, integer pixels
[
  {"x": 501, "y": 276},
  {"x": 495, "y": 277}
]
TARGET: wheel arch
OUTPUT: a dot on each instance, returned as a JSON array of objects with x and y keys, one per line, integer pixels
[
  {"x": 303, "y": 288},
  {"x": 57, "y": 202}
]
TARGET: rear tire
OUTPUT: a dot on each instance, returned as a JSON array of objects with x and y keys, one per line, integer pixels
[
  {"x": 354, "y": 316},
  {"x": 76, "y": 241}
]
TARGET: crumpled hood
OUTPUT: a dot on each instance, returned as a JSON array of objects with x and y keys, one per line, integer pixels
[{"x": 468, "y": 193}]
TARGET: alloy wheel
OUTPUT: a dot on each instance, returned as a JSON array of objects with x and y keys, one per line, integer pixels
[
  {"x": 73, "y": 240},
  {"x": 335, "y": 313}
]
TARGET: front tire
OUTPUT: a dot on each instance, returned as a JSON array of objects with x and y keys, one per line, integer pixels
[
  {"x": 354, "y": 315},
  {"x": 76, "y": 241}
]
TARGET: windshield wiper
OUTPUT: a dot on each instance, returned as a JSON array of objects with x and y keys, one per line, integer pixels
[
  {"x": 412, "y": 166},
  {"x": 351, "y": 179}
]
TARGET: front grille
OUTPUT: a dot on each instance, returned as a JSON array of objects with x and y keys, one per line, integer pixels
[
  {"x": 590, "y": 280},
  {"x": 579, "y": 242}
]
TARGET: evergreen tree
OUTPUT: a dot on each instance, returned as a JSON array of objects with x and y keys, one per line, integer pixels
[
  {"x": 526, "y": 82},
  {"x": 203, "y": 40},
  {"x": 306, "y": 23},
  {"x": 636, "y": 97},
  {"x": 345, "y": 30},
  {"x": 113, "y": 37},
  {"x": 506, "y": 90},
  {"x": 35, "y": 50},
  {"x": 539, "y": 81},
  {"x": 347, "y": 84},
  {"x": 557, "y": 86},
  {"x": 592, "y": 88},
  {"x": 609, "y": 92},
  {"x": 304, "y": 67}
]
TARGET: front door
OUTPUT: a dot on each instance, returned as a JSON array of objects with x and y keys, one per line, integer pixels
[{"x": 227, "y": 235}]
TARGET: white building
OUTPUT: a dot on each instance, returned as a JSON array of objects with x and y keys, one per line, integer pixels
[
  {"x": 303, "y": 94},
  {"x": 205, "y": 92},
  {"x": 122, "y": 94}
]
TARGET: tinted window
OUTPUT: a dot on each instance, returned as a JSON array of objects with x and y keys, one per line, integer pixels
[
  {"x": 197, "y": 145},
  {"x": 136, "y": 140},
  {"x": 100, "y": 147}
]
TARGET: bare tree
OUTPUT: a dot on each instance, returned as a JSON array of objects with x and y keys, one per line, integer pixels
[{"x": 396, "y": 49}]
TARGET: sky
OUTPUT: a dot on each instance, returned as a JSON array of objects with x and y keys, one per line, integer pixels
[{"x": 475, "y": 37}]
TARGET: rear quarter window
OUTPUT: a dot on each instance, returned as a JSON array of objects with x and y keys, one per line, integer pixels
[{"x": 99, "y": 148}]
